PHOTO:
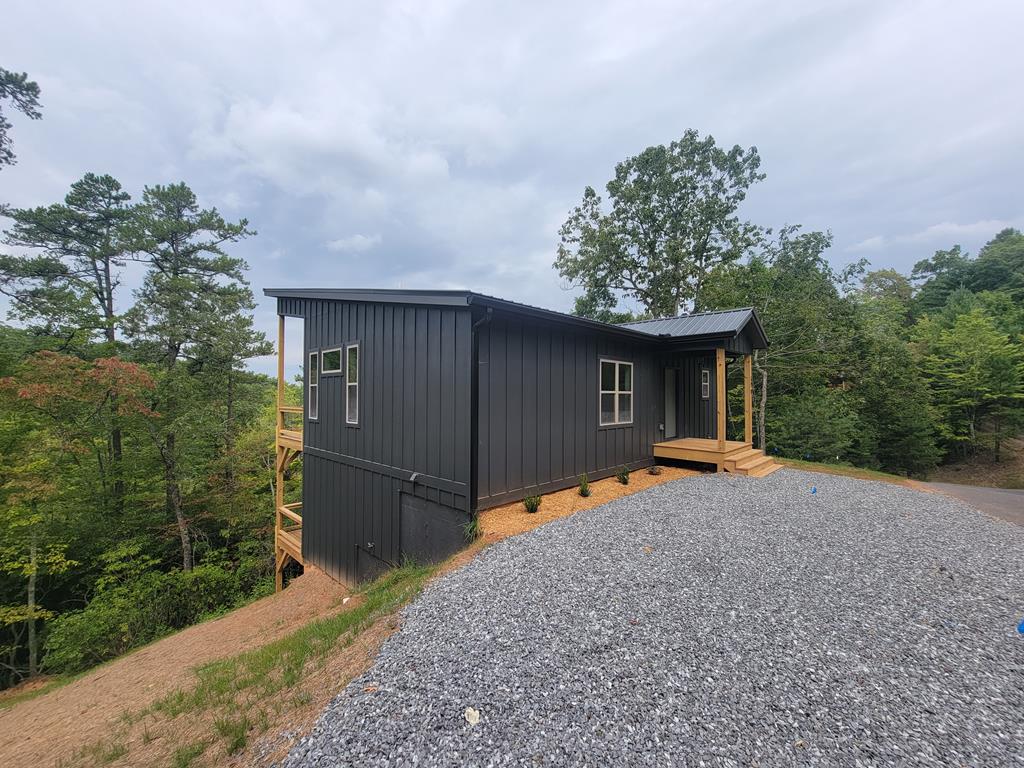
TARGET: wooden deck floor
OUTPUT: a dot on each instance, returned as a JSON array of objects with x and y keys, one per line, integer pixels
[{"x": 738, "y": 457}]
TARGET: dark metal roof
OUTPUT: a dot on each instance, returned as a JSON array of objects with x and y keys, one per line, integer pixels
[
  {"x": 722, "y": 323},
  {"x": 699, "y": 326}
]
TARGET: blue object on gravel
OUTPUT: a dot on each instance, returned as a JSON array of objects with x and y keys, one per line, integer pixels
[
  {"x": 1020, "y": 627},
  {"x": 814, "y": 489}
]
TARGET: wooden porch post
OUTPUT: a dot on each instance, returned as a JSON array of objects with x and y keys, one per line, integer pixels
[
  {"x": 748, "y": 400},
  {"x": 279, "y": 467},
  {"x": 720, "y": 392}
]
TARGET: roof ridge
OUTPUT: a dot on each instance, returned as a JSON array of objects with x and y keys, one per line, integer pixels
[{"x": 656, "y": 319}]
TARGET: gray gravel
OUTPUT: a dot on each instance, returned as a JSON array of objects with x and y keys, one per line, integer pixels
[{"x": 717, "y": 620}]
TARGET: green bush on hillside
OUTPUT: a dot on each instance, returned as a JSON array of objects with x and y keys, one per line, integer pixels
[{"x": 124, "y": 617}]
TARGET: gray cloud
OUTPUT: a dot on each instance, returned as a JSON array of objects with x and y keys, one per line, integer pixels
[{"x": 442, "y": 144}]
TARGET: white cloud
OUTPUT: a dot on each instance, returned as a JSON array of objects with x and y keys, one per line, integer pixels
[
  {"x": 870, "y": 244},
  {"x": 354, "y": 243},
  {"x": 951, "y": 231}
]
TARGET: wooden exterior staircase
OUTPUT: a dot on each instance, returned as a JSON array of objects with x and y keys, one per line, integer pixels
[
  {"x": 750, "y": 461},
  {"x": 288, "y": 445}
]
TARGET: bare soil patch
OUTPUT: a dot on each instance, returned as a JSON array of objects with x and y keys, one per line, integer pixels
[{"x": 983, "y": 470}]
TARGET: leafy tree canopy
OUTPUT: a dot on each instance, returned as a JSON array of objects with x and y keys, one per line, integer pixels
[
  {"x": 23, "y": 94},
  {"x": 672, "y": 218}
]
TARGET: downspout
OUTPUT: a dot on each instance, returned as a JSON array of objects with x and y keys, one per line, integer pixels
[{"x": 474, "y": 416}]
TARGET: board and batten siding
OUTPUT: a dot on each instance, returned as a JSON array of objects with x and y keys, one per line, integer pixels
[
  {"x": 537, "y": 407},
  {"x": 696, "y": 416},
  {"x": 413, "y": 437}
]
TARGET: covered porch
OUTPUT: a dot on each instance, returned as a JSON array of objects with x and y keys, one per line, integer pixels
[{"x": 737, "y": 456}]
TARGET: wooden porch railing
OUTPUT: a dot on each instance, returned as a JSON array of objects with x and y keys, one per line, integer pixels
[{"x": 288, "y": 445}]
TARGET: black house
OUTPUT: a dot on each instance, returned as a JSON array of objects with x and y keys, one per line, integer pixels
[{"x": 424, "y": 407}]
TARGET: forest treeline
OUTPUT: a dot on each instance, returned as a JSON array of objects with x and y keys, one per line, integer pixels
[
  {"x": 879, "y": 369},
  {"x": 866, "y": 366},
  {"x": 136, "y": 449}
]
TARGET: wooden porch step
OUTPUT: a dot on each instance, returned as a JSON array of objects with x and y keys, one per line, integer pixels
[
  {"x": 735, "y": 459},
  {"x": 752, "y": 462},
  {"x": 766, "y": 469}
]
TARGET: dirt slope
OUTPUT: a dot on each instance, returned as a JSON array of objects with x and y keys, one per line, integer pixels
[{"x": 53, "y": 726}]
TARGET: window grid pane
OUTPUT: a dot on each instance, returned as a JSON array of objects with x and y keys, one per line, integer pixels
[
  {"x": 625, "y": 413},
  {"x": 607, "y": 408},
  {"x": 607, "y": 377},
  {"x": 352, "y": 404},
  {"x": 353, "y": 365},
  {"x": 616, "y": 392},
  {"x": 331, "y": 360}
]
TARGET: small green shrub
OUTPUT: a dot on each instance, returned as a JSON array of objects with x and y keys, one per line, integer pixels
[
  {"x": 471, "y": 530},
  {"x": 622, "y": 476},
  {"x": 654, "y": 469},
  {"x": 584, "y": 485},
  {"x": 532, "y": 503}
]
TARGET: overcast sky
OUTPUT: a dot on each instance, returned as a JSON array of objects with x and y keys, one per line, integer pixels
[{"x": 441, "y": 145}]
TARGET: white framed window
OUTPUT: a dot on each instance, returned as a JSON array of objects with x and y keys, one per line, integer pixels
[
  {"x": 330, "y": 361},
  {"x": 616, "y": 396},
  {"x": 352, "y": 383},
  {"x": 313, "y": 386},
  {"x": 705, "y": 384}
]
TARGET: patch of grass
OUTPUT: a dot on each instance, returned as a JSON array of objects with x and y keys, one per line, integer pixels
[
  {"x": 532, "y": 503},
  {"x": 471, "y": 530},
  {"x": 846, "y": 470},
  {"x": 234, "y": 731},
  {"x": 584, "y": 485},
  {"x": 183, "y": 756},
  {"x": 622, "y": 475},
  {"x": 17, "y": 698},
  {"x": 105, "y": 751}
]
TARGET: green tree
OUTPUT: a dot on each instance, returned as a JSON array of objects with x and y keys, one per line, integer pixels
[
  {"x": 673, "y": 218},
  {"x": 70, "y": 284},
  {"x": 192, "y": 316},
  {"x": 897, "y": 429},
  {"x": 1000, "y": 266},
  {"x": 886, "y": 298},
  {"x": 938, "y": 277},
  {"x": 976, "y": 375},
  {"x": 23, "y": 94},
  {"x": 795, "y": 292},
  {"x": 55, "y": 413}
]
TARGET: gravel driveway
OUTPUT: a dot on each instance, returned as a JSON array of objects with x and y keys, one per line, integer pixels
[{"x": 718, "y": 620}]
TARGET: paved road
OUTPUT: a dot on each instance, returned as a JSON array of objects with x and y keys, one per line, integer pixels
[
  {"x": 999, "y": 502},
  {"x": 711, "y": 621}
]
